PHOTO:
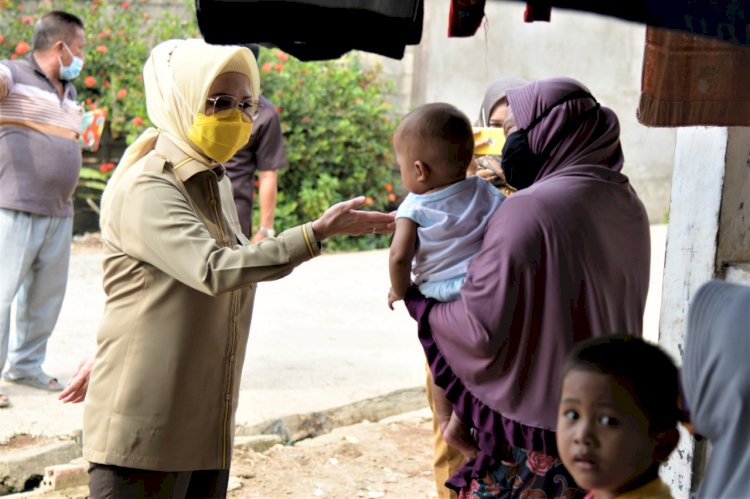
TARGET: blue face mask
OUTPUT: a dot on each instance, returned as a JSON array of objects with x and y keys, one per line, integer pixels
[{"x": 70, "y": 72}]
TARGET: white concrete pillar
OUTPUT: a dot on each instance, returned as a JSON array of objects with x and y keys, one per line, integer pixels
[{"x": 708, "y": 237}]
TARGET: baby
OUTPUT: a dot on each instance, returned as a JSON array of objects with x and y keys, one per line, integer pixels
[
  {"x": 618, "y": 417},
  {"x": 440, "y": 224}
]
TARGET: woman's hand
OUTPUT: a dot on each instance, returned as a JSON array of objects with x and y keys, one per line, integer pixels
[
  {"x": 75, "y": 391},
  {"x": 344, "y": 219}
]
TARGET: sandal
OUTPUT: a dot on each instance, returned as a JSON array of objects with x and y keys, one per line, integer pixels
[
  {"x": 4, "y": 401},
  {"x": 41, "y": 381}
]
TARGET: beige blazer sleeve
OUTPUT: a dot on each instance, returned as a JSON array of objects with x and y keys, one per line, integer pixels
[{"x": 165, "y": 231}]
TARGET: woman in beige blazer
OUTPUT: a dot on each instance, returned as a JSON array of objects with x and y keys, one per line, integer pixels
[{"x": 180, "y": 280}]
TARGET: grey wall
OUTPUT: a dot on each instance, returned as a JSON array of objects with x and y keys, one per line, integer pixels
[{"x": 604, "y": 53}]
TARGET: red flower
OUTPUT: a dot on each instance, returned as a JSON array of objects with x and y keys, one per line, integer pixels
[
  {"x": 13, "y": 56},
  {"x": 305, "y": 120},
  {"x": 2, "y": 38},
  {"x": 105, "y": 84},
  {"x": 27, "y": 19},
  {"x": 266, "y": 67},
  {"x": 22, "y": 48},
  {"x": 282, "y": 56},
  {"x": 278, "y": 109},
  {"x": 539, "y": 463},
  {"x": 89, "y": 81},
  {"x": 101, "y": 49},
  {"x": 125, "y": 5},
  {"x": 279, "y": 67},
  {"x": 106, "y": 167},
  {"x": 21, "y": 8},
  {"x": 122, "y": 93},
  {"x": 137, "y": 121}
]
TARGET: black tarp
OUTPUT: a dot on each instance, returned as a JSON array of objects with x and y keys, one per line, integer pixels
[{"x": 326, "y": 29}]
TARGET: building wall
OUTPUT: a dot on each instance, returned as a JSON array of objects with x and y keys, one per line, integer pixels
[{"x": 604, "y": 53}]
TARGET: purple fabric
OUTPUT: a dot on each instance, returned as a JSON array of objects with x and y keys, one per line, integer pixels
[{"x": 563, "y": 260}]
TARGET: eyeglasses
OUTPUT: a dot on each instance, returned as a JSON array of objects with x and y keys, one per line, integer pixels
[{"x": 251, "y": 107}]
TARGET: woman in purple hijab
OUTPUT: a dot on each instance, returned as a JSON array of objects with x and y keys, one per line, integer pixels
[{"x": 564, "y": 259}]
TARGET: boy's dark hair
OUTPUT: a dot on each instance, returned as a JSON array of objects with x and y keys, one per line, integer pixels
[
  {"x": 54, "y": 26},
  {"x": 647, "y": 373},
  {"x": 444, "y": 122}
]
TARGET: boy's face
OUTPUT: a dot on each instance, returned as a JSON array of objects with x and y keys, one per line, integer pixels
[{"x": 602, "y": 435}]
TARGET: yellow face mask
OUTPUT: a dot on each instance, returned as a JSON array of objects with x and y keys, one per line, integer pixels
[{"x": 221, "y": 134}]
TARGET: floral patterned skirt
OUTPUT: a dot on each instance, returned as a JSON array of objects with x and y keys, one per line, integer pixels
[{"x": 525, "y": 474}]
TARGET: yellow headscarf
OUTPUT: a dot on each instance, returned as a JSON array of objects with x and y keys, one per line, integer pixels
[{"x": 177, "y": 77}]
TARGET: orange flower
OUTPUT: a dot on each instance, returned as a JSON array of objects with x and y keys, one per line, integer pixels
[
  {"x": 27, "y": 19},
  {"x": 105, "y": 84},
  {"x": 104, "y": 34},
  {"x": 279, "y": 67},
  {"x": 146, "y": 16},
  {"x": 101, "y": 49},
  {"x": 305, "y": 120},
  {"x": 106, "y": 167},
  {"x": 125, "y": 5},
  {"x": 2, "y": 38},
  {"x": 122, "y": 93},
  {"x": 282, "y": 56},
  {"x": 369, "y": 201},
  {"x": 89, "y": 81},
  {"x": 13, "y": 56},
  {"x": 266, "y": 67},
  {"x": 391, "y": 197},
  {"x": 121, "y": 32},
  {"x": 22, "y": 48},
  {"x": 21, "y": 8},
  {"x": 389, "y": 187},
  {"x": 137, "y": 121}
]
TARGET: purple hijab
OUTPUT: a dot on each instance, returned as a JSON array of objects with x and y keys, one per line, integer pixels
[{"x": 563, "y": 260}]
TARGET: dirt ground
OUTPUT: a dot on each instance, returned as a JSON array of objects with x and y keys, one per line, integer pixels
[{"x": 390, "y": 458}]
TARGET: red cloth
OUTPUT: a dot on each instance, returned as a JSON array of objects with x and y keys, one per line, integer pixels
[{"x": 537, "y": 11}]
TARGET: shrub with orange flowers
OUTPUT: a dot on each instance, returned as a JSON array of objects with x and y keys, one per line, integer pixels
[{"x": 337, "y": 124}]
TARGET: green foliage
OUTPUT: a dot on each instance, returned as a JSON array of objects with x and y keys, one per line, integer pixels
[{"x": 337, "y": 126}]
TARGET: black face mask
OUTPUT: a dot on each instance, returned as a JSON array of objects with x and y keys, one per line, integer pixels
[{"x": 520, "y": 164}]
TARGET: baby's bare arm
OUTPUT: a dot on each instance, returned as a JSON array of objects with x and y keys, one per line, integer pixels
[{"x": 403, "y": 248}]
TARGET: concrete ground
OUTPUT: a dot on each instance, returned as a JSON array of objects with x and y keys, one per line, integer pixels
[{"x": 322, "y": 337}]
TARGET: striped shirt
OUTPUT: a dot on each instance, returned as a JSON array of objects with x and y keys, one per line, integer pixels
[{"x": 40, "y": 157}]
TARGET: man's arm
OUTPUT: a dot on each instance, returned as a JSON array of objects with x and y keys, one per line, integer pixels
[
  {"x": 403, "y": 248},
  {"x": 267, "y": 191}
]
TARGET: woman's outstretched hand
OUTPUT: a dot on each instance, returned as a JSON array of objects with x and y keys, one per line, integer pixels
[{"x": 345, "y": 219}]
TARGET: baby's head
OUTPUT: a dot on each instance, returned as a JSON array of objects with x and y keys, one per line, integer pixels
[
  {"x": 434, "y": 145},
  {"x": 618, "y": 413}
]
